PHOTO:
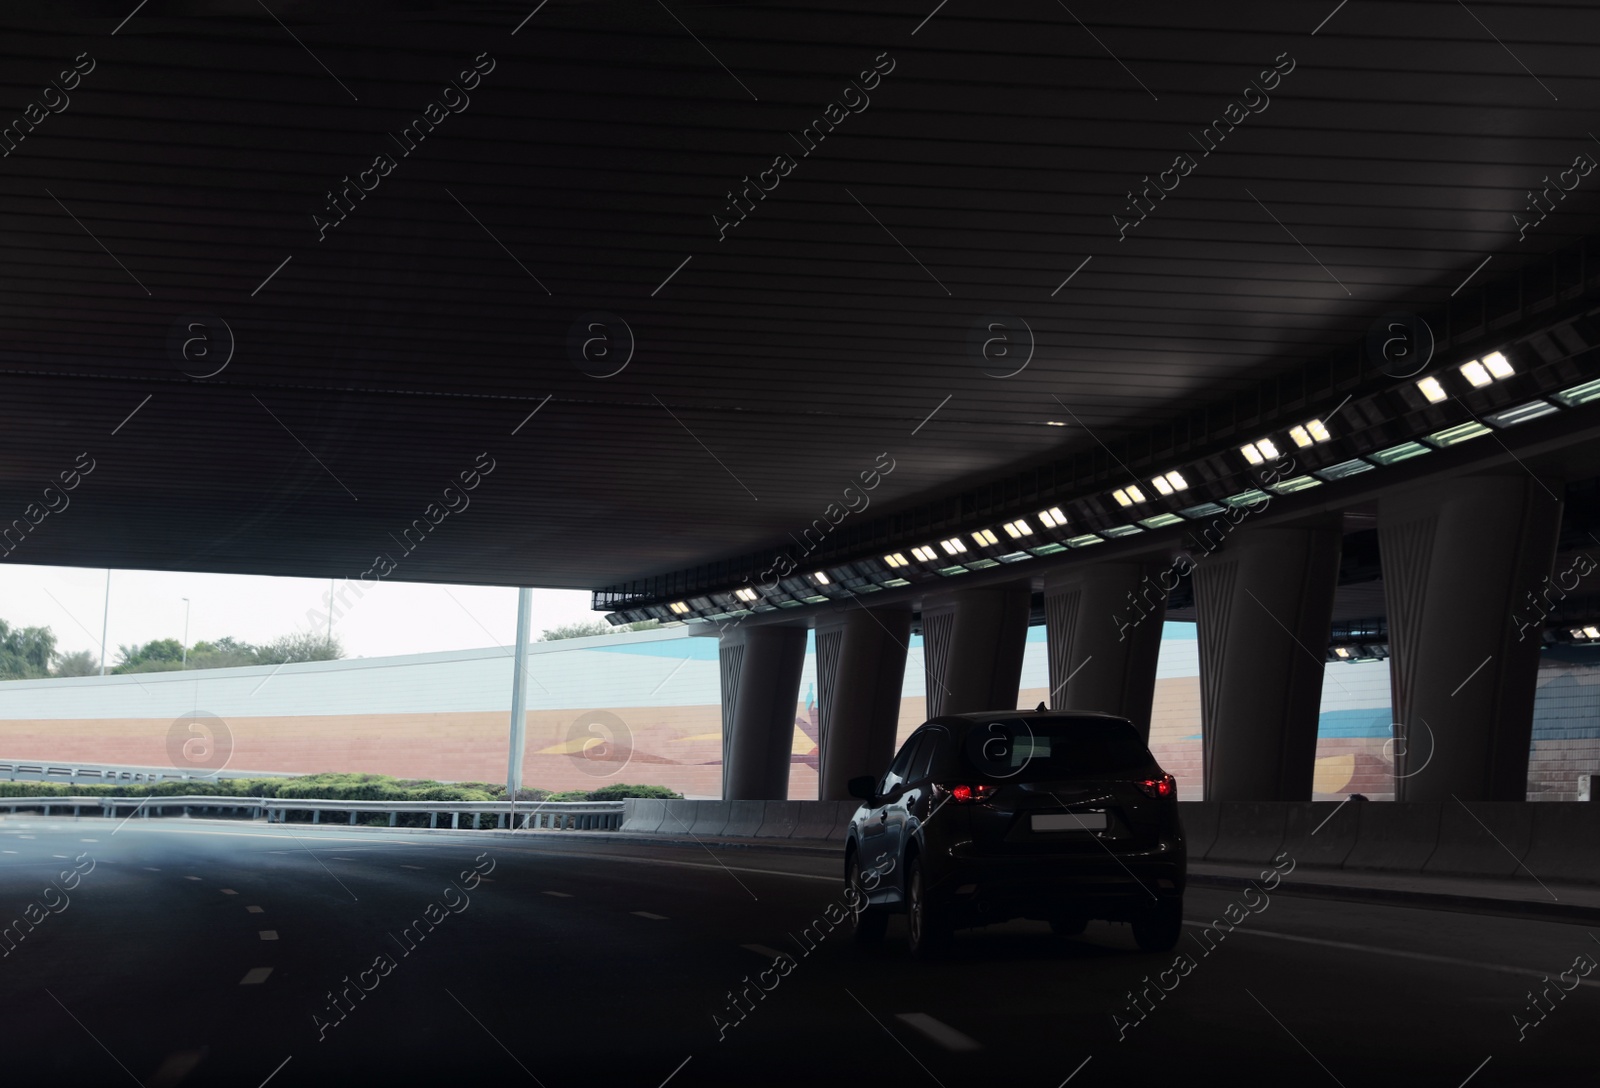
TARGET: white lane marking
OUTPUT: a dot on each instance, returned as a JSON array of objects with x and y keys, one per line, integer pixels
[
  {"x": 940, "y": 1032},
  {"x": 647, "y": 914},
  {"x": 63, "y": 857},
  {"x": 13, "y": 851},
  {"x": 227, "y": 891},
  {"x": 1425, "y": 957},
  {"x": 269, "y": 934},
  {"x": 88, "y": 840},
  {"x": 152, "y": 868},
  {"x": 191, "y": 878},
  {"x": 763, "y": 950},
  {"x": 254, "y": 910},
  {"x": 255, "y": 976},
  {"x": 559, "y": 895},
  {"x": 343, "y": 859},
  {"x": 418, "y": 868},
  {"x": 27, "y": 836}
]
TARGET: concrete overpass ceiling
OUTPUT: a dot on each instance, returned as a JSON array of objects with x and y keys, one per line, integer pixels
[{"x": 833, "y": 323}]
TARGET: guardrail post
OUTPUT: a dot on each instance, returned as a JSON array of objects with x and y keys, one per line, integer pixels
[
  {"x": 393, "y": 818},
  {"x": 499, "y": 820},
  {"x": 316, "y": 815},
  {"x": 433, "y": 819},
  {"x": 455, "y": 819},
  {"x": 352, "y": 817},
  {"x": 476, "y": 816}
]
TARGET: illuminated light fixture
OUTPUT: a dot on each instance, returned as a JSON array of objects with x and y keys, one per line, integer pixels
[
  {"x": 981, "y": 564},
  {"x": 1127, "y": 496},
  {"x": 1591, "y": 632},
  {"x": 1175, "y": 478},
  {"x": 950, "y": 572},
  {"x": 815, "y": 600},
  {"x": 1301, "y": 436},
  {"x": 745, "y": 594},
  {"x": 984, "y": 538},
  {"x": 1161, "y": 485},
  {"x": 1085, "y": 540},
  {"x": 1403, "y": 452},
  {"x": 1341, "y": 652},
  {"x": 820, "y": 578},
  {"x": 1054, "y": 423},
  {"x": 1498, "y": 365},
  {"x": 1204, "y": 510},
  {"x": 924, "y": 553},
  {"x": 1160, "y": 520},
  {"x": 1579, "y": 394},
  {"x": 1452, "y": 436},
  {"x": 1251, "y": 453},
  {"x": 1577, "y": 632},
  {"x": 1048, "y": 549},
  {"x": 953, "y": 546},
  {"x": 1053, "y": 518},
  {"x": 895, "y": 582},
  {"x": 1018, "y": 528},
  {"x": 678, "y": 607},
  {"x": 1430, "y": 388},
  {"x": 1120, "y": 530},
  {"x": 1476, "y": 374},
  {"x": 1014, "y": 557},
  {"x": 1344, "y": 468},
  {"x": 1297, "y": 483},
  {"x": 1509, "y": 417},
  {"x": 1319, "y": 430},
  {"x": 1309, "y": 432},
  {"x": 1247, "y": 498},
  {"x": 895, "y": 559}
]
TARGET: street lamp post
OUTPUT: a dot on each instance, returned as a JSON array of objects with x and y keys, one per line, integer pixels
[
  {"x": 105, "y": 623},
  {"x": 186, "y": 632}
]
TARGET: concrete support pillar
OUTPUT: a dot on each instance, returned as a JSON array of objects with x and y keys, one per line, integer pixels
[
  {"x": 760, "y": 687},
  {"x": 861, "y": 666},
  {"x": 1459, "y": 559},
  {"x": 1264, "y": 606},
  {"x": 1103, "y": 626},
  {"x": 972, "y": 643}
]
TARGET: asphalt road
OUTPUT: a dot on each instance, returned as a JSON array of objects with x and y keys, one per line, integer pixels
[{"x": 200, "y": 953}]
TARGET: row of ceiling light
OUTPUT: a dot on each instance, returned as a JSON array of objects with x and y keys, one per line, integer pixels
[{"x": 1021, "y": 535}]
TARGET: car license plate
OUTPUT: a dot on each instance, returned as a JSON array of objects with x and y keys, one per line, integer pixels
[{"x": 1071, "y": 821}]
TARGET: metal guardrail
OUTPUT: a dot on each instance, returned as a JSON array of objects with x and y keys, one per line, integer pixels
[
  {"x": 89, "y": 774},
  {"x": 576, "y": 815}
]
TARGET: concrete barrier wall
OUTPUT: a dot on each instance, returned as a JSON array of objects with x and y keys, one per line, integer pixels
[{"x": 1552, "y": 841}]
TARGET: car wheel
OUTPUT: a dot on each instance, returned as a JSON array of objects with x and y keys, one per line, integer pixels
[
  {"x": 1158, "y": 930},
  {"x": 928, "y": 926},
  {"x": 1068, "y": 925},
  {"x": 870, "y": 923}
]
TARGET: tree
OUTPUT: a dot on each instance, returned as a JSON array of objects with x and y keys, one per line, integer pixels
[
  {"x": 157, "y": 655},
  {"x": 225, "y": 653},
  {"x": 590, "y": 628},
  {"x": 300, "y": 646},
  {"x": 583, "y": 629},
  {"x": 77, "y": 663},
  {"x": 25, "y": 652}
]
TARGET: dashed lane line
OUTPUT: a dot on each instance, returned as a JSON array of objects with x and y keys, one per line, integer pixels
[
  {"x": 763, "y": 951},
  {"x": 255, "y": 976},
  {"x": 647, "y": 914},
  {"x": 559, "y": 895},
  {"x": 269, "y": 934},
  {"x": 254, "y": 910},
  {"x": 940, "y": 1032}
]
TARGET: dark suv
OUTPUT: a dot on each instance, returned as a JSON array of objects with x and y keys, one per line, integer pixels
[{"x": 982, "y": 818}]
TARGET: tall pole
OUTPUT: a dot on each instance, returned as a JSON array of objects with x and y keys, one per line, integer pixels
[
  {"x": 519, "y": 701},
  {"x": 105, "y": 623},
  {"x": 330, "y": 610},
  {"x": 186, "y": 632}
]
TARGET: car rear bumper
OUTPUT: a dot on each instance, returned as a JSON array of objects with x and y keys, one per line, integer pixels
[{"x": 1116, "y": 886}]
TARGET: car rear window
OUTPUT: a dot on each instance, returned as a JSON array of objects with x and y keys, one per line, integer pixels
[{"x": 1034, "y": 750}]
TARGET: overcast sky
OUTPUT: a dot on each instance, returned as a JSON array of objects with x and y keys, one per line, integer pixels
[{"x": 391, "y": 618}]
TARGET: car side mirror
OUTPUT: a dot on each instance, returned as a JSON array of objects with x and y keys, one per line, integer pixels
[{"x": 864, "y": 787}]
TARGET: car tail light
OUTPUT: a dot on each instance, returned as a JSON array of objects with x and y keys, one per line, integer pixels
[
  {"x": 1165, "y": 786},
  {"x": 963, "y": 794}
]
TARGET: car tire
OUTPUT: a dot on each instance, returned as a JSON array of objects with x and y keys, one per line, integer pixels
[
  {"x": 1159, "y": 929},
  {"x": 1068, "y": 925},
  {"x": 870, "y": 923},
  {"x": 928, "y": 924}
]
